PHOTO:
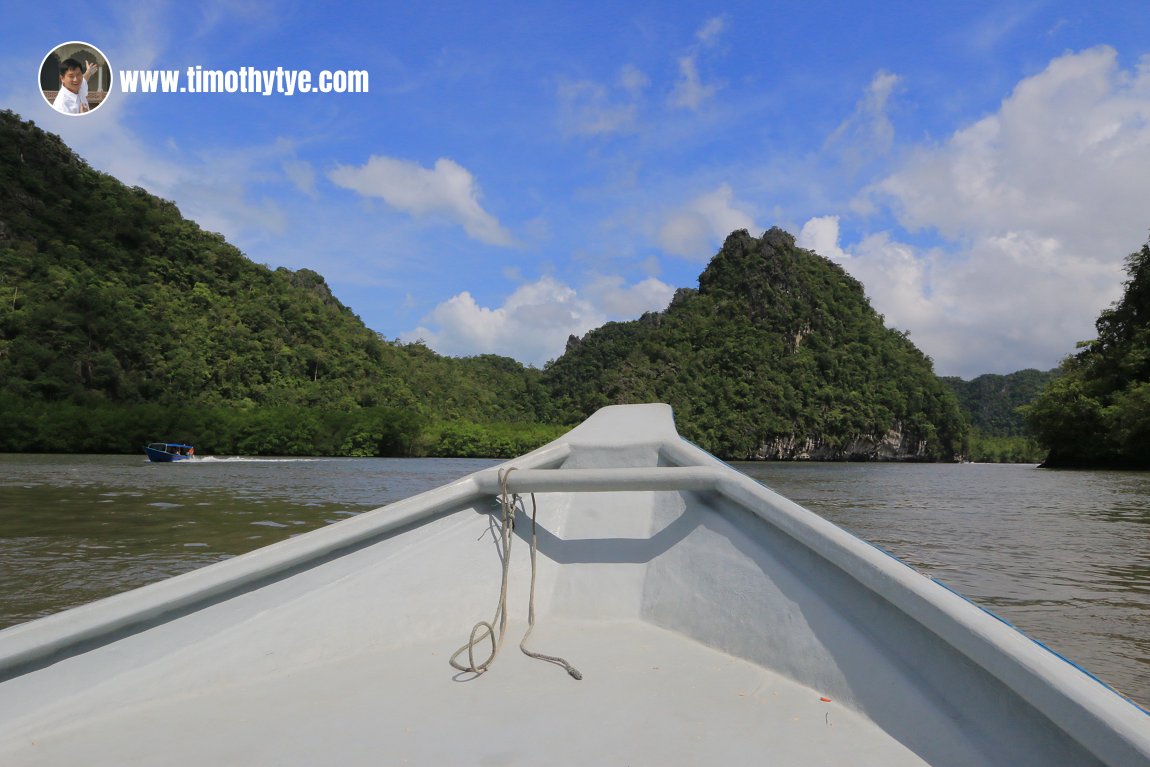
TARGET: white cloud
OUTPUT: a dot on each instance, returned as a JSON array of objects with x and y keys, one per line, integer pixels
[
  {"x": 618, "y": 300},
  {"x": 302, "y": 175},
  {"x": 993, "y": 28},
  {"x": 709, "y": 33},
  {"x": 1037, "y": 205},
  {"x": 1002, "y": 304},
  {"x": 690, "y": 92},
  {"x": 633, "y": 80},
  {"x": 902, "y": 284},
  {"x": 822, "y": 236},
  {"x": 869, "y": 130},
  {"x": 535, "y": 321},
  {"x": 590, "y": 108},
  {"x": 897, "y": 278},
  {"x": 447, "y": 190},
  {"x": 1013, "y": 301},
  {"x": 1065, "y": 155},
  {"x": 214, "y": 188},
  {"x": 697, "y": 228},
  {"x": 587, "y": 108}
]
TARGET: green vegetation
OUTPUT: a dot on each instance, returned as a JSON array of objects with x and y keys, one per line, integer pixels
[
  {"x": 66, "y": 427},
  {"x": 1097, "y": 413},
  {"x": 991, "y": 403},
  {"x": 999, "y": 448},
  {"x": 121, "y": 323},
  {"x": 463, "y": 439},
  {"x": 778, "y": 354}
]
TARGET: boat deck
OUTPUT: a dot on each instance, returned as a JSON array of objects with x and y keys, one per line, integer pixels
[
  {"x": 648, "y": 696},
  {"x": 709, "y": 618}
]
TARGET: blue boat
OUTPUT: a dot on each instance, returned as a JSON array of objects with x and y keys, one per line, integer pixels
[{"x": 166, "y": 452}]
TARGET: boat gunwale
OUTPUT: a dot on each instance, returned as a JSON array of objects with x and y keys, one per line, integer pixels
[
  {"x": 1058, "y": 688},
  {"x": 1107, "y": 724},
  {"x": 42, "y": 641}
]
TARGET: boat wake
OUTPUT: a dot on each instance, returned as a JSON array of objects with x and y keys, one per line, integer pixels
[{"x": 247, "y": 459}]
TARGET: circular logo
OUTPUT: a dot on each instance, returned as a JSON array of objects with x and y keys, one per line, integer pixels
[{"x": 75, "y": 78}]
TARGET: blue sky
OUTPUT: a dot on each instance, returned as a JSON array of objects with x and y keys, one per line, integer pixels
[{"x": 518, "y": 172}]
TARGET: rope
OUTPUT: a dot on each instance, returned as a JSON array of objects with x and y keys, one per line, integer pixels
[
  {"x": 484, "y": 630},
  {"x": 501, "y": 607},
  {"x": 574, "y": 672}
]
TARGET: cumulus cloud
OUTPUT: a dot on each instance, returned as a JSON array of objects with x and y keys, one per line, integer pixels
[
  {"x": 535, "y": 321},
  {"x": 448, "y": 190},
  {"x": 1009, "y": 302},
  {"x": 1064, "y": 155},
  {"x": 618, "y": 300},
  {"x": 698, "y": 227},
  {"x": 821, "y": 234},
  {"x": 897, "y": 278},
  {"x": 903, "y": 283},
  {"x": 999, "y": 304},
  {"x": 1032, "y": 208}
]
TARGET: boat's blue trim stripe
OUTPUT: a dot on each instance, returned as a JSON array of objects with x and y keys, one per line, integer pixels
[
  {"x": 1044, "y": 646},
  {"x": 965, "y": 598}
]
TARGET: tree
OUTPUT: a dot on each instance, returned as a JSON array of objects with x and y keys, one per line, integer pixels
[{"x": 1098, "y": 412}]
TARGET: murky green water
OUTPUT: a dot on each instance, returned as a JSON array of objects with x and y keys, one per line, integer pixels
[
  {"x": 1065, "y": 556},
  {"x": 77, "y": 528}
]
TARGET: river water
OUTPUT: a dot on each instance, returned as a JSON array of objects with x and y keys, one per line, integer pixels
[{"x": 1064, "y": 556}]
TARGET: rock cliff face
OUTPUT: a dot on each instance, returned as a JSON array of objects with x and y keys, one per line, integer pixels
[{"x": 892, "y": 446}]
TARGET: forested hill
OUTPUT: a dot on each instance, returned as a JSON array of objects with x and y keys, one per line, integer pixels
[
  {"x": 122, "y": 322},
  {"x": 777, "y": 354},
  {"x": 991, "y": 402},
  {"x": 108, "y": 296},
  {"x": 993, "y": 405}
]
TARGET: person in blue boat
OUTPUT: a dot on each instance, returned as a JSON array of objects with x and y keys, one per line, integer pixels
[{"x": 165, "y": 452}]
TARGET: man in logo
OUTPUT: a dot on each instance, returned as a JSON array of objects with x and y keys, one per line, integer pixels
[{"x": 73, "y": 96}]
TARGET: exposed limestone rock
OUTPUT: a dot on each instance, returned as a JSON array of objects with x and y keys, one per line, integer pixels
[{"x": 892, "y": 446}]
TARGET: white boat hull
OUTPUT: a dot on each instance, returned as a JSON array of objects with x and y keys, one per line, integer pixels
[{"x": 713, "y": 622}]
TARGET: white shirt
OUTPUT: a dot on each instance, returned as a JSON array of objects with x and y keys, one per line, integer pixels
[{"x": 72, "y": 103}]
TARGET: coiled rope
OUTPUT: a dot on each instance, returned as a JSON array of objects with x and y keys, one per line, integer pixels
[{"x": 484, "y": 630}]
